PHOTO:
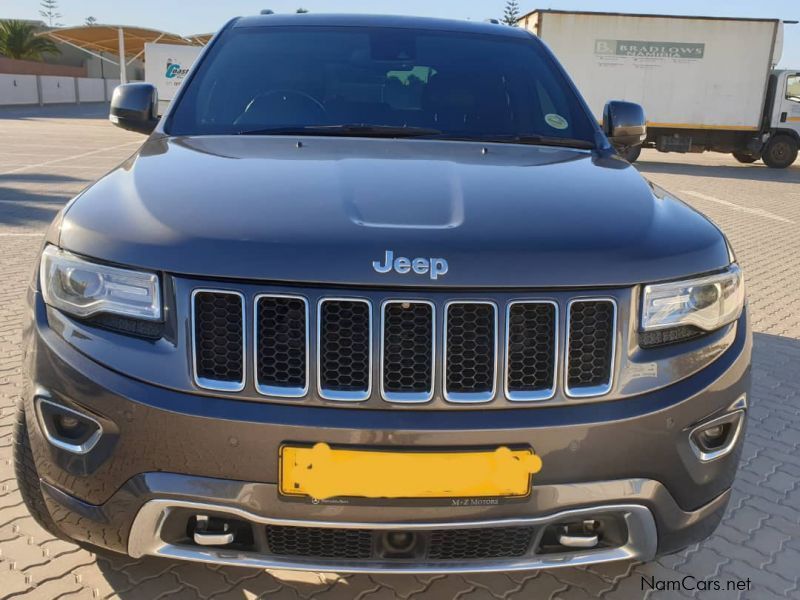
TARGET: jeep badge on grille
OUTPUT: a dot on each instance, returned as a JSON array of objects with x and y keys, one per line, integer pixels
[{"x": 434, "y": 267}]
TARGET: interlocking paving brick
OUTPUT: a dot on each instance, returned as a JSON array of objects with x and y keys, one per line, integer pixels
[{"x": 759, "y": 537}]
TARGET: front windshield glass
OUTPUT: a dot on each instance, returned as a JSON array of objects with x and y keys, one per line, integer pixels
[{"x": 437, "y": 83}]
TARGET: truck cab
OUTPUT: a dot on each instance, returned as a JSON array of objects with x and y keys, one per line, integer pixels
[{"x": 781, "y": 132}]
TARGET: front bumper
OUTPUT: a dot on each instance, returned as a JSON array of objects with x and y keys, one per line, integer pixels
[{"x": 162, "y": 445}]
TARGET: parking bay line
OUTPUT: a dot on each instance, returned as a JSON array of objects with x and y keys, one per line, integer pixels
[
  {"x": 753, "y": 211},
  {"x": 66, "y": 158}
]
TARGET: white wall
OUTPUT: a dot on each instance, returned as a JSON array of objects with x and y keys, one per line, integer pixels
[
  {"x": 18, "y": 89},
  {"x": 110, "y": 85},
  {"x": 57, "y": 89},
  {"x": 91, "y": 90}
]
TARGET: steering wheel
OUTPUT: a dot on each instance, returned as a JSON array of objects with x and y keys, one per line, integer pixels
[{"x": 294, "y": 98}]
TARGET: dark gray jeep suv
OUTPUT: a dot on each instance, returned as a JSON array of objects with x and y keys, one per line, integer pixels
[{"x": 378, "y": 294}]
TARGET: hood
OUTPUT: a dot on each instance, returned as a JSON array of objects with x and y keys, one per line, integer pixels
[{"x": 322, "y": 209}]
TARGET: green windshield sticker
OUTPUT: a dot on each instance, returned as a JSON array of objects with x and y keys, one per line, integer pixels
[{"x": 555, "y": 121}]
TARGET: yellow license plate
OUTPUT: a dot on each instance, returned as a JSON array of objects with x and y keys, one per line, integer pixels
[{"x": 323, "y": 472}]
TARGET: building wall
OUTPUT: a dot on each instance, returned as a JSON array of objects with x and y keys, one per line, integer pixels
[
  {"x": 18, "y": 89},
  {"x": 32, "y": 67},
  {"x": 57, "y": 90}
]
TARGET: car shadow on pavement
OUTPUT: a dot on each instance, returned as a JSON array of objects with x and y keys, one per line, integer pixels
[
  {"x": 20, "y": 206},
  {"x": 754, "y": 172}
]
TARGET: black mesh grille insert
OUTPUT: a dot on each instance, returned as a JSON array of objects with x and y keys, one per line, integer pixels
[
  {"x": 365, "y": 544},
  {"x": 470, "y": 348},
  {"x": 408, "y": 347},
  {"x": 482, "y": 543},
  {"x": 319, "y": 542},
  {"x": 591, "y": 335},
  {"x": 218, "y": 336},
  {"x": 344, "y": 345},
  {"x": 281, "y": 349},
  {"x": 531, "y": 347}
]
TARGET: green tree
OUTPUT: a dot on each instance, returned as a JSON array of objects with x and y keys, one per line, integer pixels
[
  {"x": 90, "y": 21},
  {"x": 511, "y": 13},
  {"x": 301, "y": 11},
  {"x": 18, "y": 39},
  {"x": 50, "y": 12}
]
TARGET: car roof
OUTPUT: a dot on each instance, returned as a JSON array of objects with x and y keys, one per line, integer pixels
[{"x": 396, "y": 21}]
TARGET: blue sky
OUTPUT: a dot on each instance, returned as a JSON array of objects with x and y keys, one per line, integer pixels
[{"x": 197, "y": 16}]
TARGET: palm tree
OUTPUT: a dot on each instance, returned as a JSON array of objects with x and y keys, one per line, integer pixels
[{"x": 18, "y": 40}]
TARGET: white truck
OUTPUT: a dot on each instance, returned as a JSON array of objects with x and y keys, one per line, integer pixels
[
  {"x": 166, "y": 66},
  {"x": 705, "y": 83}
]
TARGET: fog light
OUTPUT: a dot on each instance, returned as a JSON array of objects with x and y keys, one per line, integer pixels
[
  {"x": 717, "y": 437},
  {"x": 67, "y": 422},
  {"x": 67, "y": 428}
]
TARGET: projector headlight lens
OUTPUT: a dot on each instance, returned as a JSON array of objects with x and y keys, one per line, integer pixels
[
  {"x": 83, "y": 289},
  {"x": 707, "y": 303}
]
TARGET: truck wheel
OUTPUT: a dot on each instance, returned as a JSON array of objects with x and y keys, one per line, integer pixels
[
  {"x": 745, "y": 158},
  {"x": 28, "y": 478},
  {"x": 781, "y": 151},
  {"x": 632, "y": 153}
]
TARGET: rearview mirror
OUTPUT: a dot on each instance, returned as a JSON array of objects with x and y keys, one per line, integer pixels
[
  {"x": 624, "y": 124},
  {"x": 134, "y": 106}
]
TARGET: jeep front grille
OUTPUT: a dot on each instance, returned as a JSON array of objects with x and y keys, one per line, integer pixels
[
  {"x": 344, "y": 348},
  {"x": 219, "y": 339},
  {"x": 591, "y": 333},
  {"x": 281, "y": 342},
  {"x": 407, "y": 351},
  {"x": 539, "y": 351},
  {"x": 531, "y": 350},
  {"x": 470, "y": 351}
]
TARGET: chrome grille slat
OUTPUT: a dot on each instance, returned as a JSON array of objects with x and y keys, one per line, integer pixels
[
  {"x": 480, "y": 370},
  {"x": 358, "y": 375},
  {"x": 531, "y": 356},
  {"x": 207, "y": 339},
  {"x": 409, "y": 357},
  {"x": 281, "y": 365},
  {"x": 591, "y": 351}
]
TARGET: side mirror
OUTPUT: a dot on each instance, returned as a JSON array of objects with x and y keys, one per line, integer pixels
[
  {"x": 624, "y": 124},
  {"x": 134, "y": 106}
]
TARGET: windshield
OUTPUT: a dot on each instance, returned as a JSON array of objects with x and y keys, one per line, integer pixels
[{"x": 375, "y": 81}]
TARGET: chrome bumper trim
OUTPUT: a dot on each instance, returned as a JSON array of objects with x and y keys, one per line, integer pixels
[{"x": 145, "y": 539}]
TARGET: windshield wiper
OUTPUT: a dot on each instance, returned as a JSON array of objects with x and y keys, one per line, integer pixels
[
  {"x": 348, "y": 130},
  {"x": 532, "y": 139}
]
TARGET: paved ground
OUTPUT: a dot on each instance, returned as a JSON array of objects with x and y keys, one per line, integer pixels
[{"x": 45, "y": 158}]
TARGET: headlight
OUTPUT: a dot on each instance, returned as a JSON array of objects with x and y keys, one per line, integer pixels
[
  {"x": 83, "y": 289},
  {"x": 707, "y": 302}
]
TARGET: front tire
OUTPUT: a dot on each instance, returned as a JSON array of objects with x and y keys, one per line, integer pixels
[
  {"x": 745, "y": 158},
  {"x": 780, "y": 152},
  {"x": 28, "y": 477}
]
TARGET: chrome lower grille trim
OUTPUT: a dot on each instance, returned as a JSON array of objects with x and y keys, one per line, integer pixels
[{"x": 147, "y": 539}]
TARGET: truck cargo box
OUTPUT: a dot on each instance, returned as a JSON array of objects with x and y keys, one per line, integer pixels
[{"x": 687, "y": 72}]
